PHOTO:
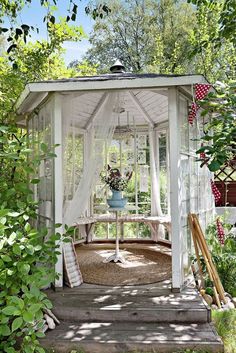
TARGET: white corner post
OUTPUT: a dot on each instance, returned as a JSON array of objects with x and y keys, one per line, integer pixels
[
  {"x": 175, "y": 197},
  {"x": 58, "y": 180}
]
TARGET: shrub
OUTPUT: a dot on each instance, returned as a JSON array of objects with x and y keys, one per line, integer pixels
[{"x": 27, "y": 256}]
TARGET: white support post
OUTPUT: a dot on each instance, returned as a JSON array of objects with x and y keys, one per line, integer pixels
[
  {"x": 174, "y": 128},
  {"x": 58, "y": 180}
]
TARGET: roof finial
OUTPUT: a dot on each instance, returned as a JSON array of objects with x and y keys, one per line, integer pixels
[{"x": 117, "y": 67}]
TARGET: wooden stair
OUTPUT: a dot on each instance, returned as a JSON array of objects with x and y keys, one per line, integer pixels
[{"x": 102, "y": 319}]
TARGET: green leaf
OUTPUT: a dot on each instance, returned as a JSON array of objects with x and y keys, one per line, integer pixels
[
  {"x": 27, "y": 227},
  {"x": 14, "y": 214},
  {"x": 16, "y": 249},
  {"x": 44, "y": 147},
  {"x": 6, "y": 258},
  {"x": 40, "y": 334},
  {"x": 10, "y": 350},
  {"x": 10, "y": 272},
  {"x": 3, "y": 220},
  {"x": 4, "y": 212},
  {"x": 10, "y": 310},
  {"x": 214, "y": 166},
  {"x": 18, "y": 301},
  {"x": 24, "y": 268},
  {"x": 26, "y": 217},
  {"x": 34, "y": 308},
  {"x": 28, "y": 316},
  {"x": 5, "y": 330},
  {"x": 35, "y": 181},
  {"x": 11, "y": 238},
  {"x": 47, "y": 303},
  {"x": 17, "y": 323},
  {"x": 2, "y": 243}
]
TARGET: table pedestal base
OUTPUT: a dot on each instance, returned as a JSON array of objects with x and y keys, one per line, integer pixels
[{"x": 116, "y": 258}]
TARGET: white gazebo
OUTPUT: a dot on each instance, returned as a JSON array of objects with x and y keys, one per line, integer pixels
[{"x": 130, "y": 121}]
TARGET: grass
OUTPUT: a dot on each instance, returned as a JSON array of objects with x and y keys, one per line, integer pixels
[{"x": 225, "y": 324}]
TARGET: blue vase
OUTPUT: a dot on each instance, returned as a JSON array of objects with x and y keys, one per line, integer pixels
[
  {"x": 116, "y": 195},
  {"x": 116, "y": 201}
]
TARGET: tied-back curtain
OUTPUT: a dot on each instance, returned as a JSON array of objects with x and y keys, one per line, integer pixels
[
  {"x": 155, "y": 184},
  {"x": 100, "y": 132}
]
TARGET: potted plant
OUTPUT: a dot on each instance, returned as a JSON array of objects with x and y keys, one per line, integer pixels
[{"x": 117, "y": 183}]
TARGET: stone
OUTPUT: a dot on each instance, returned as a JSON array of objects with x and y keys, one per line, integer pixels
[
  {"x": 214, "y": 307},
  {"x": 228, "y": 295},
  {"x": 50, "y": 313},
  {"x": 234, "y": 301},
  {"x": 228, "y": 306},
  {"x": 208, "y": 299},
  {"x": 50, "y": 322}
]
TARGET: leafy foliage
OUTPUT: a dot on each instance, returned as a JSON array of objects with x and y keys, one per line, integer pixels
[
  {"x": 224, "y": 258},
  {"x": 215, "y": 62},
  {"x": 226, "y": 20},
  {"x": 220, "y": 132},
  {"x": 167, "y": 37},
  {"x": 27, "y": 256},
  {"x": 18, "y": 31},
  {"x": 150, "y": 36}
]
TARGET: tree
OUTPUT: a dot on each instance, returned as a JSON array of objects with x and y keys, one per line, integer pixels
[
  {"x": 34, "y": 62},
  {"x": 226, "y": 20},
  {"x": 166, "y": 36},
  {"x": 215, "y": 62},
  {"x": 143, "y": 34}
]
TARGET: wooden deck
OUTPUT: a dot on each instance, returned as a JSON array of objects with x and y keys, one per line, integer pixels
[{"x": 147, "y": 318}]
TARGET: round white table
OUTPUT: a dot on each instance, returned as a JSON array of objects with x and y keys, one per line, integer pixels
[{"x": 116, "y": 257}]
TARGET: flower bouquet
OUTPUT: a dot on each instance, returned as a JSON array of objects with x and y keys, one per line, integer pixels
[{"x": 117, "y": 183}]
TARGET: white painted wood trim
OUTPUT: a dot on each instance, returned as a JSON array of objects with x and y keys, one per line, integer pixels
[
  {"x": 58, "y": 180},
  {"x": 106, "y": 84},
  {"x": 177, "y": 278},
  {"x": 141, "y": 109}
]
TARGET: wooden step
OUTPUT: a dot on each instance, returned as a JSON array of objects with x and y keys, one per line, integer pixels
[
  {"x": 144, "y": 314},
  {"x": 117, "y": 337},
  {"x": 130, "y": 305}
]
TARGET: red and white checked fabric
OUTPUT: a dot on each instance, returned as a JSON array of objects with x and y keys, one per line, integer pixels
[
  {"x": 202, "y": 154},
  {"x": 215, "y": 191},
  {"x": 220, "y": 231},
  {"x": 201, "y": 91},
  {"x": 193, "y": 113}
]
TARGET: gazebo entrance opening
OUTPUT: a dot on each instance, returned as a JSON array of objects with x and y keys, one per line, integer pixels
[{"x": 123, "y": 134}]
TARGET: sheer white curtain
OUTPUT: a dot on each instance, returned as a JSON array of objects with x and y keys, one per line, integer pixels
[
  {"x": 100, "y": 131},
  {"x": 155, "y": 184}
]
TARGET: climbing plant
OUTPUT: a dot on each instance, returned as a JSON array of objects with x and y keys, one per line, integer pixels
[{"x": 219, "y": 140}]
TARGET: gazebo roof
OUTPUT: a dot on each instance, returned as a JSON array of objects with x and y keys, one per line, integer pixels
[{"x": 145, "y": 96}]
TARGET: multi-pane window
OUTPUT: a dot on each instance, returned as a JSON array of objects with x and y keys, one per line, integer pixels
[
  {"x": 129, "y": 152},
  {"x": 133, "y": 153},
  {"x": 40, "y": 140}
]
